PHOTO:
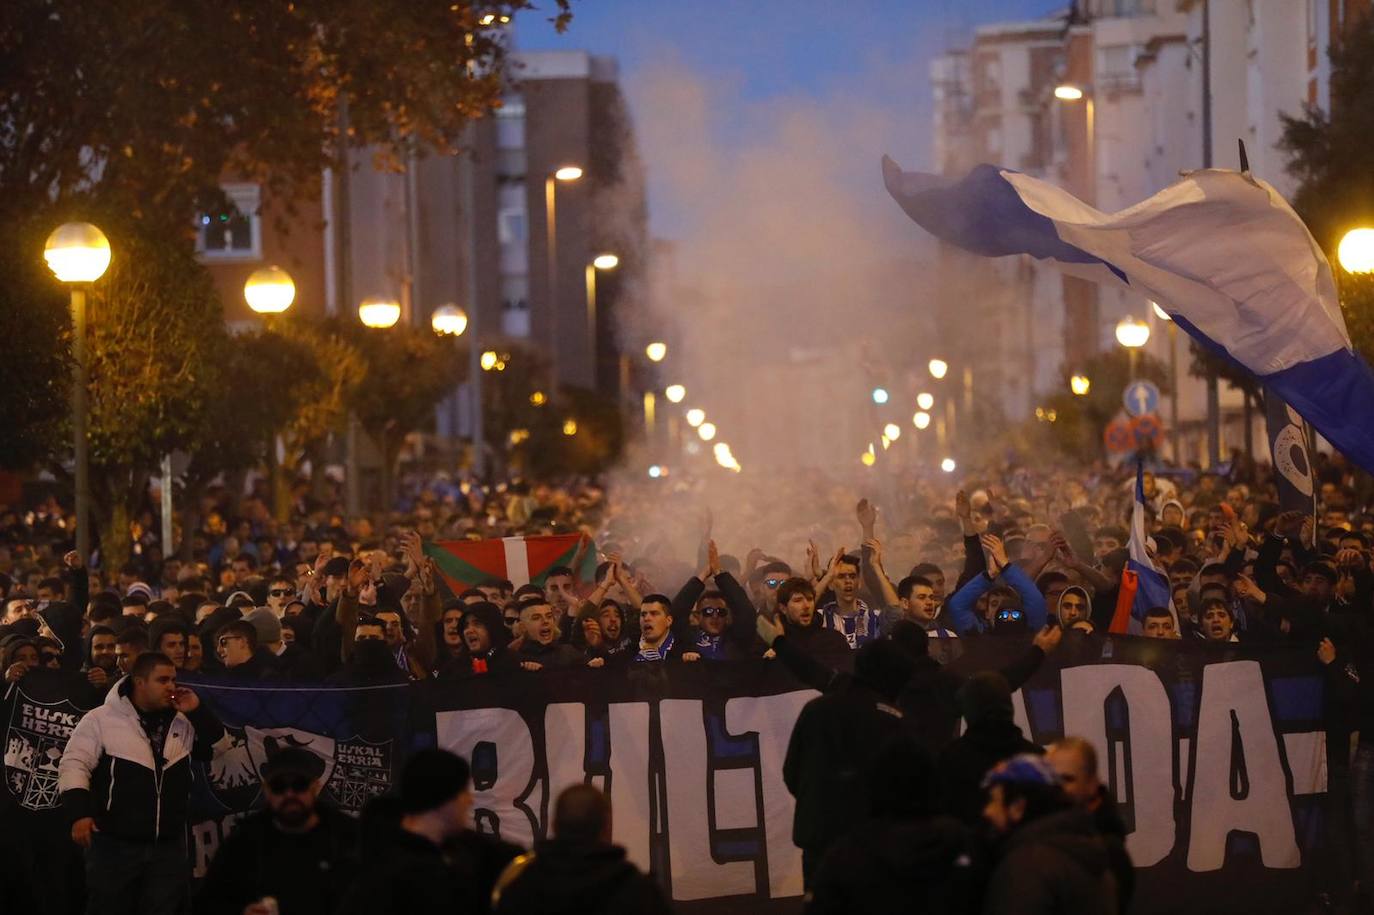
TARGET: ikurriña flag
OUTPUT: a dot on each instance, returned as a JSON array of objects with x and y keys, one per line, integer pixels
[
  {"x": 521, "y": 560},
  {"x": 1221, "y": 251}
]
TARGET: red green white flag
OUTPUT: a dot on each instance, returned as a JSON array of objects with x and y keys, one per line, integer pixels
[{"x": 521, "y": 560}]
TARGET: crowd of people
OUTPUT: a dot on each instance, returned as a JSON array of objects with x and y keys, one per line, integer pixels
[{"x": 869, "y": 603}]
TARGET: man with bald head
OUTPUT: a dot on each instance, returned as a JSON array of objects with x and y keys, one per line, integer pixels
[
  {"x": 581, "y": 844},
  {"x": 1074, "y": 760}
]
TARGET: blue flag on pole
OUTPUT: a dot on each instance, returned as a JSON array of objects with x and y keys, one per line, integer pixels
[{"x": 1222, "y": 252}]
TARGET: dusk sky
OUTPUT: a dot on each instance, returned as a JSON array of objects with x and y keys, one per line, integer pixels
[{"x": 761, "y": 55}]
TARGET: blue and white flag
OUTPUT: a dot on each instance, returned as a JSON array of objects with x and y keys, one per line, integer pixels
[{"x": 1222, "y": 252}]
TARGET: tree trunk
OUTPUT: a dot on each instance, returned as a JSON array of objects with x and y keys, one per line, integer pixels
[{"x": 116, "y": 543}]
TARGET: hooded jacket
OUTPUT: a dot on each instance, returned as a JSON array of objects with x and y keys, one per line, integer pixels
[
  {"x": 991, "y": 737},
  {"x": 894, "y": 864},
  {"x": 108, "y": 770},
  {"x": 1057, "y": 863},
  {"x": 576, "y": 877}
]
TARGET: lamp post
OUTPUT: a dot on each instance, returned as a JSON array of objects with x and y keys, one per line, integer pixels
[
  {"x": 1072, "y": 92},
  {"x": 1132, "y": 333},
  {"x": 78, "y": 254},
  {"x": 1080, "y": 385},
  {"x": 1173, "y": 380},
  {"x": 565, "y": 173},
  {"x": 600, "y": 262},
  {"x": 378, "y": 313}
]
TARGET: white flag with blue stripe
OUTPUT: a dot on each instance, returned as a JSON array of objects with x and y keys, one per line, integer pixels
[
  {"x": 1152, "y": 585},
  {"x": 1222, "y": 252}
]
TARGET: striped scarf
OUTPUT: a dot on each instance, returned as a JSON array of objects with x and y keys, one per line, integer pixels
[{"x": 655, "y": 654}]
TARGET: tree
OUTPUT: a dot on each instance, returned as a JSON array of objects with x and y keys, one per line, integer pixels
[
  {"x": 1329, "y": 154},
  {"x": 409, "y": 370},
  {"x": 1079, "y": 422},
  {"x": 149, "y": 103},
  {"x": 35, "y": 373},
  {"x": 155, "y": 338}
]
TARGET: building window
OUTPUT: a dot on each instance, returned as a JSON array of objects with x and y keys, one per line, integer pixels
[
  {"x": 235, "y": 232},
  {"x": 510, "y": 124},
  {"x": 515, "y": 305}
]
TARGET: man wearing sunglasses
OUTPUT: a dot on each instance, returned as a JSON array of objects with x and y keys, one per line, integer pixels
[
  {"x": 280, "y": 592},
  {"x": 294, "y": 850}
]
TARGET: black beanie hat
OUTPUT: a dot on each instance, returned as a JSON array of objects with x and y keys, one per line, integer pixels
[
  {"x": 885, "y": 666},
  {"x": 431, "y": 778},
  {"x": 986, "y": 696}
]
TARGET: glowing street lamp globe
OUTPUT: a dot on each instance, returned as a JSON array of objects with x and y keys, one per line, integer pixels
[
  {"x": 1080, "y": 384},
  {"x": 568, "y": 173},
  {"x": 675, "y": 393},
  {"x": 1356, "y": 251},
  {"x": 925, "y": 400},
  {"x": 269, "y": 290},
  {"x": 656, "y": 351},
  {"x": 706, "y": 431},
  {"x": 606, "y": 262},
  {"x": 77, "y": 252},
  {"x": 947, "y": 465},
  {"x": 695, "y": 417},
  {"x": 449, "y": 320},
  {"x": 892, "y": 431},
  {"x": 921, "y": 420},
  {"x": 938, "y": 368},
  {"x": 379, "y": 313},
  {"x": 1132, "y": 333}
]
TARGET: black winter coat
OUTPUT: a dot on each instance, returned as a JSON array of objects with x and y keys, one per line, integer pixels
[
  {"x": 1056, "y": 864},
  {"x": 306, "y": 873},
  {"x": 578, "y": 879},
  {"x": 409, "y": 876},
  {"x": 898, "y": 865},
  {"x": 961, "y": 766},
  {"x": 828, "y": 761}
]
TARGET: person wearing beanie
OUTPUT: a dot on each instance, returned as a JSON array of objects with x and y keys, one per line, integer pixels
[
  {"x": 1049, "y": 856},
  {"x": 288, "y": 661},
  {"x": 295, "y": 849},
  {"x": 833, "y": 744},
  {"x": 408, "y": 873},
  {"x": 905, "y": 856},
  {"x": 991, "y": 737}
]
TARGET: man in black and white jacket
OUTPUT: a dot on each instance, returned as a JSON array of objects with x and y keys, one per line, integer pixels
[{"x": 125, "y": 779}]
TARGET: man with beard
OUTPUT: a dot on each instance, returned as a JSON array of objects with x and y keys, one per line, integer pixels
[
  {"x": 825, "y": 651},
  {"x": 294, "y": 850},
  {"x": 100, "y": 671}
]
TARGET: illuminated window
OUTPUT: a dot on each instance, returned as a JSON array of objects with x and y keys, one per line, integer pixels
[{"x": 236, "y": 231}]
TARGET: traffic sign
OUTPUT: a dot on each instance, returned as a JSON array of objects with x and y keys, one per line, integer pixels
[
  {"x": 1118, "y": 436},
  {"x": 1148, "y": 432},
  {"x": 1140, "y": 397}
]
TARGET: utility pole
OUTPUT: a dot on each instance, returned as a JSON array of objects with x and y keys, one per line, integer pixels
[{"x": 1213, "y": 386}]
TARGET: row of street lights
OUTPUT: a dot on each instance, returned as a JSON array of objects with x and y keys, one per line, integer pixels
[{"x": 921, "y": 419}]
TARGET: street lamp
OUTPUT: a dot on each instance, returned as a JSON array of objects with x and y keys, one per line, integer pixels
[
  {"x": 600, "y": 262},
  {"x": 880, "y": 395},
  {"x": 1132, "y": 333},
  {"x": 675, "y": 393},
  {"x": 948, "y": 465},
  {"x": 656, "y": 351},
  {"x": 1068, "y": 92},
  {"x": 695, "y": 417},
  {"x": 449, "y": 321},
  {"x": 379, "y": 313},
  {"x": 569, "y": 427},
  {"x": 892, "y": 431},
  {"x": 564, "y": 173},
  {"x": 706, "y": 431},
  {"x": 1080, "y": 384},
  {"x": 938, "y": 368},
  {"x": 488, "y": 360},
  {"x": 78, "y": 254},
  {"x": 1356, "y": 251},
  {"x": 925, "y": 400},
  {"x": 1173, "y": 376},
  {"x": 269, "y": 290},
  {"x": 921, "y": 420},
  {"x": 1071, "y": 92}
]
